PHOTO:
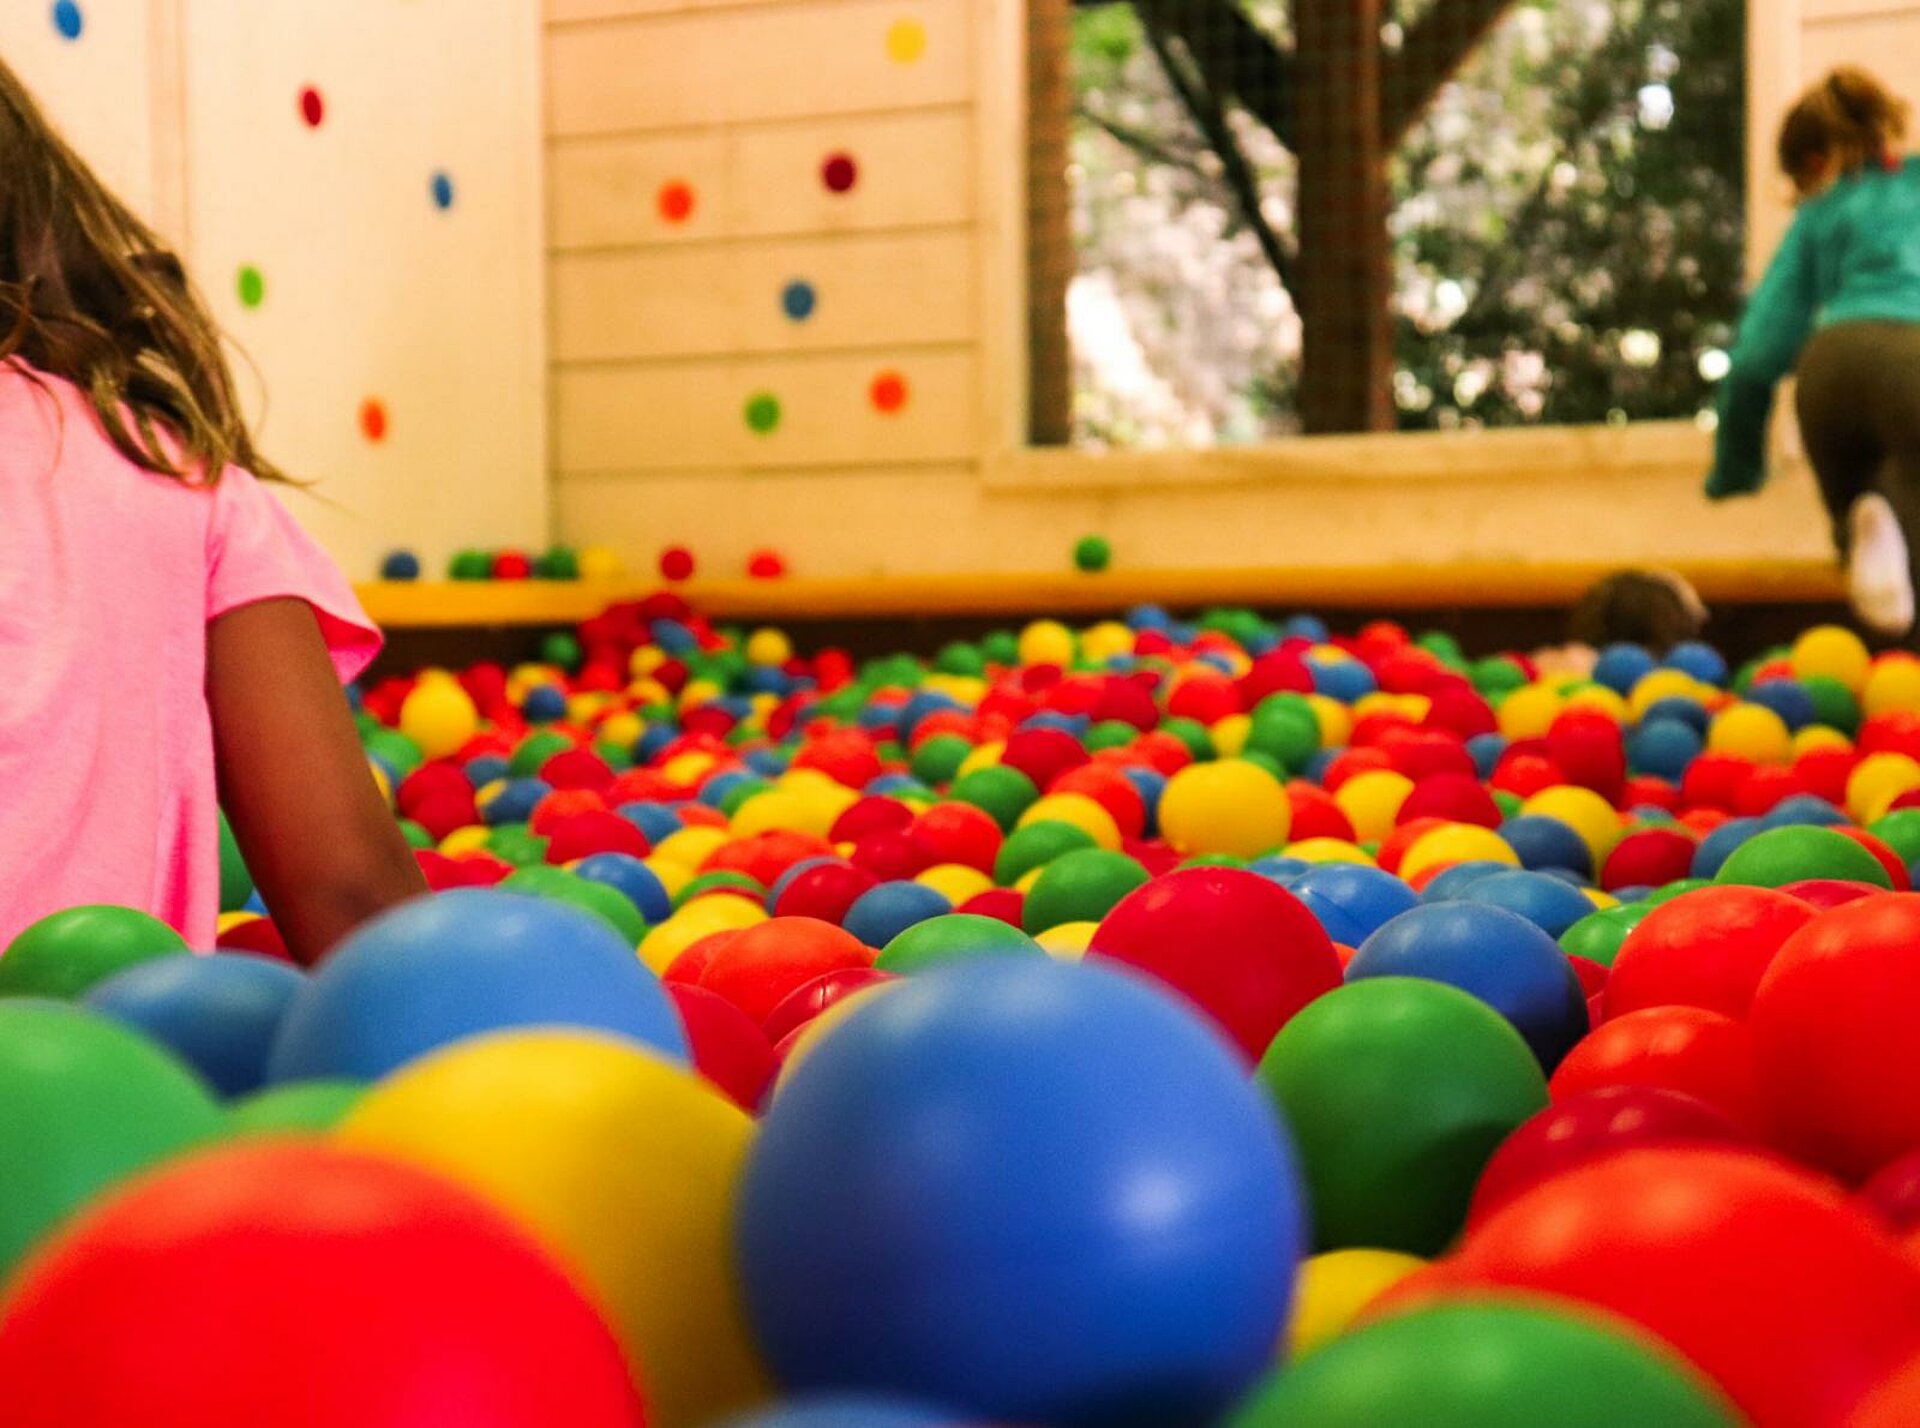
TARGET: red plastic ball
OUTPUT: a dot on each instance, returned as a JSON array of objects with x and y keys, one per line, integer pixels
[
  {"x": 687, "y": 968},
  {"x": 764, "y": 857},
  {"x": 1826, "y": 893},
  {"x": 259, "y": 935},
  {"x": 1824, "y": 773},
  {"x": 1125, "y": 701},
  {"x": 766, "y": 565},
  {"x": 1237, "y": 945},
  {"x": 844, "y": 755},
  {"x": 1316, "y": 815},
  {"x": 577, "y": 768},
  {"x": 759, "y": 968},
  {"x": 728, "y": 1048},
  {"x": 1765, "y": 788},
  {"x": 676, "y": 562},
  {"x": 562, "y": 804},
  {"x": 1583, "y": 1128},
  {"x": 875, "y": 813},
  {"x": 1887, "y": 858},
  {"x": 824, "y": 891},
  {"x": 1002, "y": 904},
  {"x": 1461, "y": 713},
  {"x": 1697, "y": 1052},
  {"x": 1278, "y": 671},
  {"x": 960, "y": 833},
  {"x": 1647, "y": 791},
  {"x": 1524, "y": 774},
  {"x": 1454, "y": 797},
  {"x": 1588, "y": 747},
  {"x": 1397, "y": 844},
  {"x": 442, "y": 813},
  {"x": 1043, "y": 754},
  {"x": 808, "y": 1000},
  {"x": 1714, "y": 781},
  {"x": 512, "y": 565},
  {"x": 1708, "y": 948},
  {"x": 297, "y": 1284},
  {"x": 1893, "y": 1194},
  {"x": 1764, "y": 1278},
  {"x": 1835, "y": 1037},
  {"x": 1650, "y": 858},
  {"x": 1111, "y": 789},
  {"x": 1423, "y": 754},
  {"x": 892, "y": 854},
  {"x": 1350, "y": 763},
  {"x": 595, "y": 831}
]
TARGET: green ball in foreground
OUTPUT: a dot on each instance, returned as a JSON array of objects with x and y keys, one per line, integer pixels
[
  {"x": 955, "y": 937},
  {"x": 1598, "y": 935},
  {"x": 298, "y": 1107},
  {"x": 1794, "y": 854},
  {"x": 1900, "y": 831},
  {"x": 1398, "y": 1090},
  {"x": 64, "y": 954},
  {"x": 559, "y": 885},
  {"x": 1092, "y": 554},
  {"x": 1486, "y": 1364},
  {"x": 84, "y": 1102},
  {"x": 1080, "y": 886}
]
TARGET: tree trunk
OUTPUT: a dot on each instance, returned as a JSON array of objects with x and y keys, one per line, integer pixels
[
  {"x": 1345, "y": 266},
  {"x": 1050, "y": 251}
]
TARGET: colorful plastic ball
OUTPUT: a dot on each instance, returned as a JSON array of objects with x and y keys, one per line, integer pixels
[
  {"x": 825, "y": 891},
  {"x": 621, "y": 1163},
  {"x": 1082, "y": 885},
  {"x": 1698, "y": 661},
  {"x": 558, "y": 885},
  {"x": 1621, "y": 666},
  {"x": 1596, "y": 820},
  {"x": 1371, "y": 800},
  {"x": 1839, "y": 1063},
  {"x": 306, "y": 1286},
  {"x": 1352, "y": 901},
  {"x": 299, "y": 1107},
  {"x": 65, "y": 953},
  {"x": 470, "y": 565},
  {"x": 767, "y": 962},
  {"x": 1719, "y": 845},
  {"x": 439, "y": 968},
  {"x": 1232, "y": 942},
  {"x": 1548, "y": 903},
  {"x": 954, "y": 937},
  {"x": 821, "y": 994},
  {"x": 1698, "y": 1246},
  {"x": 927, "y": 1130},
  {"x": 218, "y": 1013},
  {"x": 1541, "y": 842},
  {"x": 1648, "y": 858},
  {"x": 1707, "y": 949},
  {"x": 1752, "y": 732},
  {"x": 84, "y": 1102},
  {"x": 676, "y": 563},
  {"x": 849, "y": 1411},
  {"x": 1230, "y": 806},
  {"x": 1092, "y": 554},
  {"x": 1586, "y": 1127},
  {"x": 632, "y": 879},
  {"x": 1892, "y": 686},
  {"x": 1448, "y": 845},
  {"x": 1664, "y": 747},
  {"x": 728, "y": 1047},
  {"x": 1003, "y": 792},
  {"x": 766, "y": 565},
  {"x": 884, "y": 912},
  {"x": 1489, "y": 1364},
  {"x": 1334, "y": 1289},
  {"x": 1777, "y": 856},
  {"x": 1452, "y": 879},
  {"x": 1834, "y": 652},
  {"x": 1398, "y": 1090},
  {"x": 1697, "y": 1052},
  {"x": 1490, "y": 953},
  {"x": 400, "y": 565}
]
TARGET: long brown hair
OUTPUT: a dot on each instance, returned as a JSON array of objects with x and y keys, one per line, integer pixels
[
  {"x": 1845, "y": 122},
  {"x": 89, "y": 293}
]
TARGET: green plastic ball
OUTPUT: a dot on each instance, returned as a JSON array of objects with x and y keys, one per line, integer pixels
[
  {"x": 1598, "y": 935},
  {"x": 615, "y": 756},
  {"x": 1285, "y": 729},
  {"x": 1487, "y": 1364},
  {"x": 1193, "y": 734},
  {"x": 1035, "y": 846},
  {"x": 955, "y": 937},
  {"x": 1674, "y": 890},
  {"x": 1789, "y": 855},
  {"x": 236, "y": 883},
  {"x": 1092, "y": 554},
  {"x": 1109, "y": 734},
  {"x": 394, "y": 749},
  {"x": 960, "y": 658},
  {"x": 315, "y": 1106},
  {"x": 560, "y": 562},
  {"x": 470, "y": 565},
  {"x": 416, "y": 836},
  {"x": 1003, "y": 793},
  {"x": 65, "y": 953},
  {"x": 1001, "y": 647},
  {"x": 84, "y": 1102},
  {"x": 709, "y": 882},
  {"x": 559, "y": 885},
  {"x": 937, "y": 760},
  {"x": 1080, "y": 886},
  {"x": 1833, "y": 703},
  {"x": 562, "y": 650},
  {"x": 532, "y": 753},
  {"x": 1900, "y": 831},
  {"x": 1496, "y": 675},
  {"x": 1398, "y": 1090},
  {"x": 517, "y": 844}
]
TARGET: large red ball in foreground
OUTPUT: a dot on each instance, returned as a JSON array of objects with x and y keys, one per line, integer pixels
[
  {"x": 1707, "y": 948},
  {"x": 1241, "y": 947},
  {"x": 1836, "y": 1030},
  {"x": 1787, "y": 1297},
  {"x": 293, "y": 1284},
  {"x": 1692, "y": 1050}
]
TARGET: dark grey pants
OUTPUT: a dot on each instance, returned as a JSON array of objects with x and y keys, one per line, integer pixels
[{"x": 1859, "y": 406}]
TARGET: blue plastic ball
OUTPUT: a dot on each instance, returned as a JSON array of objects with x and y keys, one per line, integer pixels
[
  {"x": 923, "y": 703},
  {"x": 544, "y": 704},
  {"x": 1495, "y": 955},
  {"x": 1318, "y": 762},
  {"x": 632, "y": 879},
  {"x": 673, "y": 637},
  {"x": 1280, "y": 869},
  {"x": 881, "y": 914},
  {"x": 440, "y": 968},
  {"x": 218, "y": 1014},
  {"x": 656, "y": 820},
  {"x": 1803, "y": 810},
  {"x": 1148, "y": 617},
  {"x": 848, "y": 1412},
  {"x": 1542, "y": 842},
  {"x": 1307, "y": 627},
  {"x": 400, "y": 565},
  {"x": 515, "y": 801},
  {"x": 1678, "y": 706},
  {"x": 653, "y": 739},
  {"x": 1702, "y": 661},
  {"x": 889, "y": 785},
  {"x": 1718, "y": 845},
  {"x": 1788, "y": 698},
  {"x": 1622, "y": 666},
  {"x": 1543, "y": 899},
  {"x": 1351, "y": 900},
  {"x": 1040, "y": 1192},
  {"x": 486, "y": 768},
  {"x": 1450, "y": 883},
  {"x": 1149, "y": 784},
  {"x": 714, "y": 791},
  {"x": 1663, "y": 747},
  {"x": 1486, "y": 750},
  {"x": 1346, "y": 680}
]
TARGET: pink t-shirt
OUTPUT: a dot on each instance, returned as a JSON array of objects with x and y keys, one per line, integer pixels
[{"x": 109, "y": 576}]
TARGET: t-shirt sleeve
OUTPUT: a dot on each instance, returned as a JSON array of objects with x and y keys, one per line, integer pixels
[{"x": 257, "y": 551}]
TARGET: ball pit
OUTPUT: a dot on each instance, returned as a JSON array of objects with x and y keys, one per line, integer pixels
[{"x": 939, "y": 1042}]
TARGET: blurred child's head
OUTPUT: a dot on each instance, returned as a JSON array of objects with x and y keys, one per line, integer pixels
[
  {"x": 1839, "y": 126},
  {"x": 1655, "y": 608},
  {"x": 89, "y": 293}
]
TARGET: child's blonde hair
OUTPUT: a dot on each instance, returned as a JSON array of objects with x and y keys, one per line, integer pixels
[{"x": 1839, "y": 126}]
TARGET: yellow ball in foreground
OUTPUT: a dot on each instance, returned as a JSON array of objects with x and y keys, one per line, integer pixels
[
  {"x": 1371, "y": 801},
  {"x": 1751, "y": 731},
  {"x": 1892, "y": 685},
  {"x": 1333, "y": 1289},
  {"x": 1833, "y": 651},
  {"x": 1231, "y": 806},
  {"x": 622, "y": 1164},
  {"x": 1876, "y": 781}
]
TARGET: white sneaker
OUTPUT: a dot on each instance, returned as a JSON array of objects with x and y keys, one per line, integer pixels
[{"x": 1879, "y": 579}]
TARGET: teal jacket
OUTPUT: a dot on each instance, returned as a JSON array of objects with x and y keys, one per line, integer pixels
[{"x": 1852, "y": 254}]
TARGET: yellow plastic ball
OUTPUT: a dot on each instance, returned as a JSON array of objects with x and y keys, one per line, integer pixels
[
  {"x": 585, "y": 708},
  {"x": 982, "y": 756},
  {"x": 227, "y": 921},
  {"x": 1893, "y": 685},
  {"x": 1372, "y": 800},
  {"x": 1230, "y": 806},
  {"x": 649, "y": 691},
  {"x": 702, "y": 917},
  {"x": 439, "y": 716},
  {"x": 1105, "y": 640},
  {"x": 691, "y": 846},
  {"x": 688, "y": 768},
  {"x": 1876, "y": 781},
  {"x": 1816, "y": 737},
  {"x": 1230, "y": 735},
  {"x": 645, "y": 660},
  {"x": 622, "y": 727},
  {"x": 1079, "y": 810},
  {"x": 768, "y": 646},
  {"x": 968, "y": 689},
  {"x": 596, "y": 562},
  {"x": 1047, "y": 642},
  {"x": 1334, "y": 719},
  {"x": 956, "y": 882},
  {"x": 1069, "y": 941},
  {"x": 470, "y": 839},
  {"x": 673, "y": 874},
  {"x": 1599, "y": 699},
  {"x": 1601, "y": 900},
  {"x": 1659, "y": 684},
  {"x": 1750, "y": 731},
  {"x": 1333, "y": 1288},
  {"x": 1528, "y": 712},
  {"x": 381, "y": 782},
  {"x": 775, "y": 808},
  {"x": 1456, "y": 843},
  {"x": 1598, "y": 822},
  {"x": 622, "y": 1164},
  {"x": 1329, "y": 850},
  {"x": 1833, "y": 651},
  {"x": 698, "y": 692}
]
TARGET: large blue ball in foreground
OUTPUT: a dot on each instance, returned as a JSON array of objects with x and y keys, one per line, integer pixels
[
  {"x": 440, "y": 968},
  {"x": 1037, "y": 1191},
  {"x": 219, "y": 1014},
  {"x": 1493, "y": 954}
]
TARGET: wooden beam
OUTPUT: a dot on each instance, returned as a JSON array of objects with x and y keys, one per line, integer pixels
[{"x": 1437, "y": 45}]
